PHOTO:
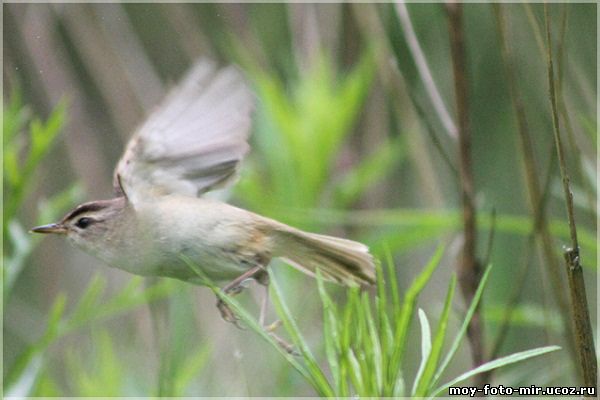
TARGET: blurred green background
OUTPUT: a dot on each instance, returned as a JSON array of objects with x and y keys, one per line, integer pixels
[{"x": 346, "y": 141}]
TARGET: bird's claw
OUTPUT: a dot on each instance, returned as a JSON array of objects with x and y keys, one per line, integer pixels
[
  {"x": 273, "y": 326},
  {"x": 227, "y": 314},
  {"x": 289, "y": 348}
]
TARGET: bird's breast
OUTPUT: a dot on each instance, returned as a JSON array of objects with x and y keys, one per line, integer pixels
[{"x": 223, "y": 241}]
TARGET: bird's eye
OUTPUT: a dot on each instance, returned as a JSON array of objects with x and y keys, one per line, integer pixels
[{"x": 83, "y": 222}]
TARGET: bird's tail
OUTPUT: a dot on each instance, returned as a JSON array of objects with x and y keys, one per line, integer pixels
[{"x": 338, "y": 260}]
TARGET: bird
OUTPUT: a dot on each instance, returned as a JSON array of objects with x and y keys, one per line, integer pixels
[{"x": 161, "y": 218}]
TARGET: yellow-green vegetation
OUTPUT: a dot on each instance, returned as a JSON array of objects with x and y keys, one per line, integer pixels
[{"x": 355, "y": 135}]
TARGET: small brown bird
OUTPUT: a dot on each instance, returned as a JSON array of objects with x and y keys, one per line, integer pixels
[{"x": 191, "y": 144}]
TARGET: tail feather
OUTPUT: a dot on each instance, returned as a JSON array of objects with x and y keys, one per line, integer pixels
[{"x": 339, "y": 260}]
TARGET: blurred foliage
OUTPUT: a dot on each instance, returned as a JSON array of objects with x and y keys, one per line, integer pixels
[
  {"x": 19, "y": 178},
  {"x": 301, "y": 133},
  {"x": 343, "y": 121},
  {"x": 18, "y": 175},
  {"x": 401, "y": 229},
  {"x": 26, "y": 142},
  {"x": 89, "y": 310},
  {"x": 106, "y": 374}
]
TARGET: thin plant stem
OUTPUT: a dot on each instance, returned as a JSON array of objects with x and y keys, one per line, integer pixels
[
  {"x": 584, "y": 339},
  {"x": 424, "y": 71},
  {"x": 47, "y": 53},
  {"x": 180, "y": 18},
  {"x": 535, "y": 26},
  {"x": 513, "y": 300},
  {"x": 469, "y": 269},
  {"x": 562, "y": 106},
  {"x": 434, "y": 138},
  {"x": 101, "y": 60},
  {"x": 490, "y": 242},
  {"x": 393, "y": 79},
  {"x": 137, "y": 69},
  {"x": 536, "y": 198},
  {"x": 517, "y": 291}
]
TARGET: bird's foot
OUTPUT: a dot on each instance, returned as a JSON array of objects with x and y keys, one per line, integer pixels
[
  {"x": 271, "y": 327},
  {"x": 288, "y": 347},
  {"x": 227, "y": 314}
]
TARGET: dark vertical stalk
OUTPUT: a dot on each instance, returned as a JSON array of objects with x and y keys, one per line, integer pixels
[
  {"x": 469, "y": 269},
  {"x": 584, "y": 339},
  {"x": 537, "y": 199}
]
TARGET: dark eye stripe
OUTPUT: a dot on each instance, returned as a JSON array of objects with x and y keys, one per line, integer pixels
[
  {"x": 87, "y": 207},
  {"x": 84, "y": 208}
]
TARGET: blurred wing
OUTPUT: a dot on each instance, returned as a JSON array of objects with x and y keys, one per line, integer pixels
[{"x": 194, "y": 141}]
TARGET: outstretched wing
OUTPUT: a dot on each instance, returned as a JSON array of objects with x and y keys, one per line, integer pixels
[{"x": 194, "y": 141}]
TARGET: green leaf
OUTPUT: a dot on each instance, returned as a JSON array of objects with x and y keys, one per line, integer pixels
[
  {"x": 463, "y": 329},
  {"x": 58, "y": 325},
  {"x": 525, "y": 316},
  {"x": 373, "y": 168},
  {"x": 500, "y": 362},
  {"x": 14, "y": 117},
  {"x": 33, "y": 354},
  {"x": 391, "y": 272},
  {"x": 408, "y": 306},
  {"x": 331, "y": 334},
  {"x": 373, "y": 348},
  {"x": 290, "y": 324},
  {"x": 425, "y": 349},
  {"x": 23, "y": 244},
  {"x": 88, "y": 303},
  {"x": 438, "y": 342},
  {"x": 27, "y": 380},
  {"x": 301, "y": 131},
  {"x": 99, "y": 373},
  {"x": 45, "y": 386},
  {"x": 190, "y": 369},
  {"x": 21, "y": 177},
  {"x": 355, "y": 372}
]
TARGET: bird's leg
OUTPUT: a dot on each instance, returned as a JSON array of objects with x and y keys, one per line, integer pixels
[
  {"x": 264, "y": 305},
  {"x": 232, "y": 288},
  {"x": 263, "y": 278},
  {"x": 260, "y": 274}
]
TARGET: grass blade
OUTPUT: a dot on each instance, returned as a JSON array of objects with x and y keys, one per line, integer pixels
[
  {"x": 438, "y": 342},
  {"x": 288, "y": 321},
  {"x": 425, "y": 349},
  {"x": 407, "y": 311},
  {"x": 331, "y": 336},
  {"x": 500, "y": 362},
  {"x": 463, "y": 328}
]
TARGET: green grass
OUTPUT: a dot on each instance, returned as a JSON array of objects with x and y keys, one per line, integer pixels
[{"x": 365, "y": 338}]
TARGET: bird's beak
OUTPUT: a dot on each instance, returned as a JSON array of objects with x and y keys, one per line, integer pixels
[{"x": 50, "y": 228}]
